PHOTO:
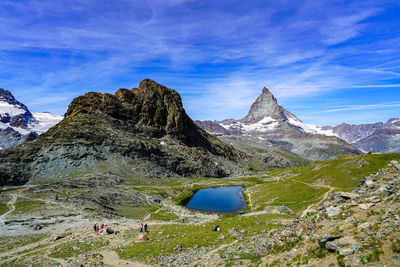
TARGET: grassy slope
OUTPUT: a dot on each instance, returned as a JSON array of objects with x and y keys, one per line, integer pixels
[
  {"x": 164, "y": 239},
  {"x": 299, "y": 187}
]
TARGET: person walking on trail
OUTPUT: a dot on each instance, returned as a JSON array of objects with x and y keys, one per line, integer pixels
[
  {"x": 95, "y": 227},
  {"x": 141, "y": 227},
  {"x": 145, "y": 227}
]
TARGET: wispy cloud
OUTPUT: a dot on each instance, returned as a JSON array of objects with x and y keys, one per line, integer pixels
[
  {"x": 219, "y": 55},
  {"x": 364, "y": 107}
]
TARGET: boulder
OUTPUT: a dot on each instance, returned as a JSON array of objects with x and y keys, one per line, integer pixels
[
  {"x": 337, "y": 244},
  {"x": 327, "y": 238},
  {"x": 395, "y": 164},
  {"x": 346, "y": 251},
  {"x": 333, "y": 211}
]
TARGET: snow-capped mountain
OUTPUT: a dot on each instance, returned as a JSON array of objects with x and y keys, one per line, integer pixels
[
  {"x": 383, "y": 140},
  {"x": 376, "y": 137},
  {"x": 270, "y": 123},
  {"x": 18, "y": 124}
]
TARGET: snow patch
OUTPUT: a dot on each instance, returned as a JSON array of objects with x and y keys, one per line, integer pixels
[
  {"x": 12, "y": 110},
  {"x": 44, "y": 121},
  {"x": 264, "y": 125},
  {"x": 310, "y": 128}
]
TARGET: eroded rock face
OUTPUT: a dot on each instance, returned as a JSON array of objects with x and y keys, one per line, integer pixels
[{"x": 140, "y": 132}]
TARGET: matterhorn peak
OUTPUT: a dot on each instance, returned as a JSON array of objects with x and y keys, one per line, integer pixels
[
  {"x": 265, "y": 106},
  {"x": 266, "y": 91}
]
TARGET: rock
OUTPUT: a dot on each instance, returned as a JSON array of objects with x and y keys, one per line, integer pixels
[
  {"x": 364, "y": 225},
  {"x": 332, "y": 246},
  {"x": 395, "y": 164},
  {"x": 333, "y": 211},
  {"x": 37, "y": 227},
  {"x": 290, "y": 255},
  {"x": 357, "y": 246},
  {"x": 365, "y": 206},
  {"x": 327, "y": 238},
  {"x": 59, "y": 237},
  {"x": 369, "y": 183},
  {"x": 346, "y": 195},
  {"x": 346, "y": 251},
  {"x": 337, "y": 244},
  {"x": 178, "y": 248}
]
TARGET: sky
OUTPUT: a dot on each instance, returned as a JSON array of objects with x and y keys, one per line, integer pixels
[{"x": 326, "y": 61}]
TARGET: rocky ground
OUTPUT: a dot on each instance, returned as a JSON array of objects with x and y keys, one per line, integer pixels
[{"x": 354, "y": 228}]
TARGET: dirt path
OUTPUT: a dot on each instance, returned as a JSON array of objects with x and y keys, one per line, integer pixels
[
  {"x": 248, "y": 193},
  {"x": 111, "y": 258},
  {"x": 304, "y": 213},
  {"x": 11, "y": 203}
]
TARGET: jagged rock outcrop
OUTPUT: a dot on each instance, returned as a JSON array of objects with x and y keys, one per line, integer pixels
[{"x": 140, "y": 132}]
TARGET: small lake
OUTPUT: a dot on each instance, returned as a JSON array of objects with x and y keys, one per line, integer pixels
[{"x": 220, "y": 199}]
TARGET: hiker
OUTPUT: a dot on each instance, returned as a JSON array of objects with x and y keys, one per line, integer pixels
[
  {"x": 217, "y": 228},
  {"x": 145, "y": 227},
  {"x": 109, "y": 231},
  {"x": 141, "y": 227},
  {"x": 102, "y": 226},
  {"x": 95, "y": 227}
]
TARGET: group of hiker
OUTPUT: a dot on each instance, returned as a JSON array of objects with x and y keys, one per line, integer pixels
[
  {"x": 143, "y": 228},
  {"x": 101, "y": 230}
]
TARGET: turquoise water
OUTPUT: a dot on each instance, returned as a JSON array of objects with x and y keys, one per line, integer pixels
[{"x": 220, "y": 199}]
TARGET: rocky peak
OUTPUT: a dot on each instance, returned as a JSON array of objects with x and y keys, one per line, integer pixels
[
  {"x": 393, "y": 123},
  {"x": 13, "y": 112},
  {"x": 6, "y": 96},
  {"x": 151, "y": 110},
  {"x": 265, "y": 105}
]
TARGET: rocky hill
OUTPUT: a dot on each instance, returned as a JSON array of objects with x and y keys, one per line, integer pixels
[
  {"x": 268, "y": 124},
  {"x": 140, "y": 132},
  {"x": 18, "y": 124}
]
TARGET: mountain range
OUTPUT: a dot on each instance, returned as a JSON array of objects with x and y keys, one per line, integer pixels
[
  {"x": 268, "y": 124},
  {"x": 145, "y": 132}
]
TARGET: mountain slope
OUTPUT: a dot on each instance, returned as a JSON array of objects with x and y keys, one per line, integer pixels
[
  {"x": 268, "y": 123},
  {"x": 353, "y": 132},
  {"x": 372, "y": 137},
  {"x": 385, "y": 140},
  {"x": 18, "y": 124},
  {"x": 143, "y": 132}
]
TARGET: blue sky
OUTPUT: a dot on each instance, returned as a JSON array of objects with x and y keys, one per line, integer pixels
[{"x": 326, "y": 61}]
